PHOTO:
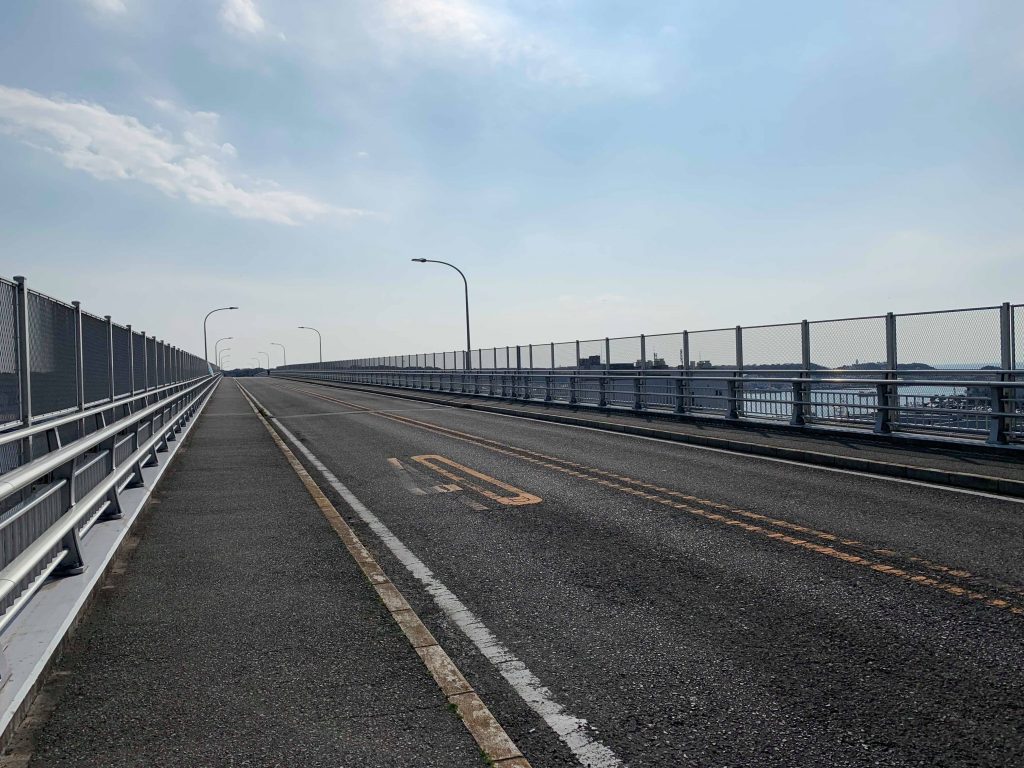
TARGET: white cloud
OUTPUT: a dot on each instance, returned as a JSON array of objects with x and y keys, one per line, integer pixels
[
  {"x": 107, "y": 6},
  {"x": 109, "y": 146},
  {"x": 467, "y": 27},
  {"x": 241, "y": 16}
]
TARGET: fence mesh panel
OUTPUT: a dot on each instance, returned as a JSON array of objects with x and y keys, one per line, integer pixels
[
  {"x": 713, "y": 349},
  {"x": 122, "y": 360},
  {"x": 501, "y": 358},
  {"x": 10, "y": 385},
  {"x": 51, "y": 326},
  {"x": 664, "y": 350},
  {"x": 624, "y": 352},
  {"x": 955, "y": 340},
  {"x": 1018, "y": 336},
  {"x": 859, "y": 341},
  {"x": 486, "y": 359},
  {"x": 565, "y": 355},
  {"x": 95, "y": 367},
  {"x": 139, "y": 353},
  {"x": 773, "y": 346},
  {"x": 151, "y": 362},
  {"x": 592, "y": 354}
]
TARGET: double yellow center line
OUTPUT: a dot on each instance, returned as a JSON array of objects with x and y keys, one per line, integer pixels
[{"x": 923, "y": 572}]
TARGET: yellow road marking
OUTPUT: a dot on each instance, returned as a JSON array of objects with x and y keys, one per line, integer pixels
[
  {"x": 517, "y": 498},
  {"x": 635, "y": 488},
  {"x": 492, "y": 739}
]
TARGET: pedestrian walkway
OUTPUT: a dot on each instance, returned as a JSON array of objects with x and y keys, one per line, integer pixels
[{"x": 240, "y": 632}]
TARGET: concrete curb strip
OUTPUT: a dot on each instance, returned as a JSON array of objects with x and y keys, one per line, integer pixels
[
  {"x": 967, "y": 480},
  {"x": 492, "y": 739}
]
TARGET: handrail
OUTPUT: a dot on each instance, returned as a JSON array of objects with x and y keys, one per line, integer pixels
[
  {"x": 45, "y": 426},
  {"x": 22, "y": 567},
  {"x": 705, "y": 374},
  {"x": 23, "y": 476}
]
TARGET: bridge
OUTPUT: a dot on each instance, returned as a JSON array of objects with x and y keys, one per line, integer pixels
[{"x": 793, "y": 545}]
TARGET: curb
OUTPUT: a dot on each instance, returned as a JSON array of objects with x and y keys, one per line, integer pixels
[{"x": 965, "y": 480}]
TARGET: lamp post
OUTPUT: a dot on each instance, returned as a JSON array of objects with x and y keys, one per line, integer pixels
[
  {"x": 465, "y": 284},
  {"x": 206, "y": 349},
  {"x": 221, "y": 356},
  {"x": 321, "y": 338},
  {"x": 284, "y": 354},
  {"x": 216, "y": 346},
  {"x": 268, "y": 359}
]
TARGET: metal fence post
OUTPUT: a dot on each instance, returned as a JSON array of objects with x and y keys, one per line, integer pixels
[
  {"x": 1002, "y": 398},
  {"x": 801, "y": 391},
  {"x": 736, "y": 383},
  {"x": 24, "y": 364},
  {"x": 602, "y": 394},
  {"x": 684, "y": 379},
  {"x": 638, "y": 382},
  {"x": 131, "y": 360},
  {"x": 79, "y": 365},
  {"x": 574, "y": 378},
  {"x": 887, "y": 393},
  {"x": 110, "y": 357}
]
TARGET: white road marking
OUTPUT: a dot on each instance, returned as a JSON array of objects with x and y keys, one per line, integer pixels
[{"x": 574, "y": 732}]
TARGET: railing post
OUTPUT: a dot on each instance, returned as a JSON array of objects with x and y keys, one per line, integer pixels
[
  {"x": 518, "y": 390},
  {"x": 801, "y": 391},
  {"x": 684, "y": 379},
  {"x": 110, "y": 357},
  {"x": 736, "y": 383},
  {"x": 1002, "y": 398},
  {"x": 131, "y": 361},
  {"x": 79, "y": 364},
  {"x": 24, "y": 364},
  {"x": 602, "y": 388},
  {"x": 887, "y": 393},
  {"x": 638, "y": 393}
]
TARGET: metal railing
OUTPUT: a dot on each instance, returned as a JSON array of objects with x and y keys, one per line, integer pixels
[
  {"x": 85, "y": 404},
  {"x": 953, "y": 372}
]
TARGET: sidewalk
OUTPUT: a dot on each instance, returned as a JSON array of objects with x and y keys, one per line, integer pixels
[{"x": 241, "y": 632}]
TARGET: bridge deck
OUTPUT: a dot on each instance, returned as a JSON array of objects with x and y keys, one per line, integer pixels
[{"x": 241, "y": 633}]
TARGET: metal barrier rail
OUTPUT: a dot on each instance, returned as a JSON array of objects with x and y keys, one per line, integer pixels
[
  {"x": 65, "y": 492},
  {"x": 989, "y": 407}
]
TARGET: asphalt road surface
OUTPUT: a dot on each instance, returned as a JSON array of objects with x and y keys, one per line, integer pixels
[{"x": 694, "y": 607}]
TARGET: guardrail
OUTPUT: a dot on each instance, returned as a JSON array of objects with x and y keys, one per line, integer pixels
[
  {"x": 948, "y": 371},
  {"x": 85, "y": 404},
  {"x": 987, "y": 408},
  {"x": 62, "y": 494}
]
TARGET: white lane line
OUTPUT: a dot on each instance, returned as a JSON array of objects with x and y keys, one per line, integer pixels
[{"x": 574, "y": 731}]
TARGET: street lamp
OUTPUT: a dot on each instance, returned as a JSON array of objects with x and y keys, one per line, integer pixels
[
  {"x": 310, "y": 328},
  {"x": 206, "y": 350},
  {"x": 465, "y": 283},
  {"x": 268, "y": 358},
  {"x": 221, "y": 356},
  {"x": 216, "y": 346},
  {"x": 284, "y": 355}
]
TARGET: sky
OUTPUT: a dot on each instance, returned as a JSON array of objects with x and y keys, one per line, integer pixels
[{"x": 596, "y": 167}]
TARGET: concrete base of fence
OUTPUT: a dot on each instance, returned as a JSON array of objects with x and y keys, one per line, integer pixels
[
  {"x": 562, "y": 414},
  {"x": 38, "y": 636}
]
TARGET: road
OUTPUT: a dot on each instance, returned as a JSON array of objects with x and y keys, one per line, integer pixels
[{"x": 694, "y": 607}]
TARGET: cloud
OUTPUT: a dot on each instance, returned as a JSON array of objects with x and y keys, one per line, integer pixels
[
  {"x": 466, "y": 27},
  {"x": 109, "y": 146},
  {"x": 240, "y": 16},
  {"x": 107, "y": 6}
]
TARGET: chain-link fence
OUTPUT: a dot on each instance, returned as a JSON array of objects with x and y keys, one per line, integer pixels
[
  {"x": 927, "y": 370},
  {"x": 56, "y": 358}
]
